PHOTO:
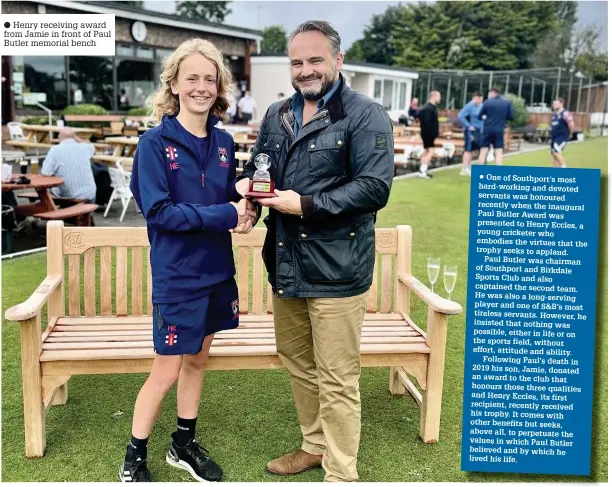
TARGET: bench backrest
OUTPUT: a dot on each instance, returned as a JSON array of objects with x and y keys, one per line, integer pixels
[{"x": 107, "y": 271}]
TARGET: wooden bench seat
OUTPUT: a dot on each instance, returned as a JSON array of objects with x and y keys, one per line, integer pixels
[
  {"x": 81, "y": 211},
  {"x": 33, "y": 196},
  {"x": 110, "y": 331}
]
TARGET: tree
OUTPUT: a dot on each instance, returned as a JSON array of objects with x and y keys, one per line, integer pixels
[
  {"x": 213, "y": 11},
  {"x": 520, "y": 111},
  {"x": 460, "y": 35},
  {"x": 376, "y": 45},
  {"x": 274, "y": 40},
  {"x": 355, "y": 52},
  {"x": 572, "y": 51}
]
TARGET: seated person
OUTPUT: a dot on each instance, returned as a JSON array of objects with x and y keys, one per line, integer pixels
[{"x": 71, "y": 161}]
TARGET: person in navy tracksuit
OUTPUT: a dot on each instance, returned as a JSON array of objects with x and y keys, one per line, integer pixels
[
  {"x": 495, "y": 112},
  {"x": 184, "y": 182},
  {"x": 562, "y": 127}
]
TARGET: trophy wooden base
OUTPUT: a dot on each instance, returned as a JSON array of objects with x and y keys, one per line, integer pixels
[{"x": 261, "y": 189}]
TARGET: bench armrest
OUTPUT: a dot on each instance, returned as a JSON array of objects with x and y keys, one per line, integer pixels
[
  {"x": 32, "y": 306},
  {"x": 437, "y": 303}
]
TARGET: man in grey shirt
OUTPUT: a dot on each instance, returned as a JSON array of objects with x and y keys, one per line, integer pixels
[{"x": 71, "y": 161}]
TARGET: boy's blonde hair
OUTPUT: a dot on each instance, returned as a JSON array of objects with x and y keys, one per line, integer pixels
[{"x": 164, "y": 102}]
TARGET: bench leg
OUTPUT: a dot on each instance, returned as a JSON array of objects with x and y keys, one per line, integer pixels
[
  {"x": 61, "y": 396},
  {"x": 432, "y": 398},
  {"x": 33, "y": 409},
  {"x": 395, "y": 385}
]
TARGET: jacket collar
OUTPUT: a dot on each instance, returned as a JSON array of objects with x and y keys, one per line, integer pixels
[
  {"x": 171, "y": 129},
  {"x": 334, "y": 105}
]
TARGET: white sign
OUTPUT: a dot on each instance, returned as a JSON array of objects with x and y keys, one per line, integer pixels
[
  {"x": 17, "y": 77},
  {"x": 58, "y": 35},
  {"x": 33, "y": 98}
]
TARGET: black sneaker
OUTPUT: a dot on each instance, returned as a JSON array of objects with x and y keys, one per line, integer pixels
[
  {"x": 134, "y": 470},
  {"x": 195, "y": 460}
]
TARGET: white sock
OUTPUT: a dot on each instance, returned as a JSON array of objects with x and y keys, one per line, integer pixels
[{"x": 423, "y": 168}]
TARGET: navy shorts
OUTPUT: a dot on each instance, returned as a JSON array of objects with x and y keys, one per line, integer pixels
[
  {"x": 429, "y": 141},
  {"x": 180, "y": 328},
  {"x": 557, "y": 146},
  {"x": 472, "y": 140},
  {"x": 495, "y": 139}
]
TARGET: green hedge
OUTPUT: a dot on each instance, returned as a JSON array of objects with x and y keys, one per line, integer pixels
[
  {"x": 138, "y": 112},
  {"x": 41, "y": 120},
  {"x": 521, "y": 115},
  {"x": 84, "y": 110}
]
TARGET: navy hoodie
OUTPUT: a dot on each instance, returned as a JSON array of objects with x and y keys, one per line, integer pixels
[
  {"x": 185, "y": 201},
  {"x": 495, "y": 111}
]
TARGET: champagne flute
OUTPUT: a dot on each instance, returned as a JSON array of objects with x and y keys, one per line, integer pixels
[
  {"x": 433, "y": 270},
  {"x": 450, "y": 278}
]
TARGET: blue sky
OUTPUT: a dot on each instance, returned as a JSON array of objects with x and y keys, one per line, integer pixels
[{"x": 348, "y": 17}]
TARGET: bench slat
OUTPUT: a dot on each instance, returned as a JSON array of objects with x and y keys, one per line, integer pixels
[
  {"x": 234, "y": 351},
  {"x": 105, "y": 282},
  {"x": 121, "y": 281},
  {"x": 371, "y": 319},
  {"x": 137, "y": 281},
  {"x": 233, "y": 342},
  {"x": 269, "y": 298},
  {"x": 387, "y": 282},
  {"x": 74, "y": 285},
  {"x": 258, "y": 282},
  {"x": 140, "y": 327},
  {"x": 372, "y": 304},
  {"x": 89, "y": 281},
  {"x": 243, "y": 279}
]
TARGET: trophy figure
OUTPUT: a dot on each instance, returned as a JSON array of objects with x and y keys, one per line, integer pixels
[{"x": 261, "y": 185}]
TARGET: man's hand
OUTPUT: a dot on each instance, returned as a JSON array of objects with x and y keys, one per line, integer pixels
[
  {"x": 471, "y": 129},
  {"x": 285, "y": 201},
  {"x": 242, "y": 186},
  {"x": 246, "y": 216}
]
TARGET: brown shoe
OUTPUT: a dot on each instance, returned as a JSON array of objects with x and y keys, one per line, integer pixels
[{"x": 294, "y": 463}]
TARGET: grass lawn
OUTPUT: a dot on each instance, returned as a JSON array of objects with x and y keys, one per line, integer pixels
[{"x": 248, "y": 417}]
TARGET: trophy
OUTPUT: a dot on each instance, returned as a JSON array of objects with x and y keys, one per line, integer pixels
[{"x": 261, "y": 185}]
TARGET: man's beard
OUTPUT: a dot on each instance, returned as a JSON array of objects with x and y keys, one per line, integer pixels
[{"x": 313, "y": 94}]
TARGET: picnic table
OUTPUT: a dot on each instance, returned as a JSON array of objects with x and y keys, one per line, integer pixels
[
  {"x": 123, "y": 146},
  {"x": 43, "y": 133},
  {"x": 41, "y": 184}
]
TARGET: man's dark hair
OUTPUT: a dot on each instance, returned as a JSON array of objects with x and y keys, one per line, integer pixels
[
  {"x": 495, "y": 90},
  {"x": 560, "y": 100},
  {"x": 322, "y": 27},
  {"x": 476, "y": 93}
]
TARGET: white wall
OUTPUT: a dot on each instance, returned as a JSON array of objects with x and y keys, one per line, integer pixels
[
  {"x": 267, "y": 81},
  {"x": 361, "y": 83}
]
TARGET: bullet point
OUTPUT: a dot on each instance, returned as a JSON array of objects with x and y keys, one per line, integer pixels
[
  {"x": 481, "y": 177},
  {"x": 7, "y": 24}
]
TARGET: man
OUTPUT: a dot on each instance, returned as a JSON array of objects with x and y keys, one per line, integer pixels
[
  {"x": 562, "y": 129},
  {"x": 495, "y": 112},
  {"x": 71, "y": 161},
  {"x": 331, "y": 155},
  {"x": 246, "y": 107},
  {"x": 472, "y": 125},
  {"x": 413, "y": 111},
  {"x": 429, "y": 131}
]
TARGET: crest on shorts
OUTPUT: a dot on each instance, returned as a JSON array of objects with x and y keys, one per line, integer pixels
[
  {"x": 223, "y": 157},
  {"x": 172, "y": 336},
  {"x": 235, "y": 308}
]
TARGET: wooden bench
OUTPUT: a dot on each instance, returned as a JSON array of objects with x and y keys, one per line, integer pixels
[
  {"x": 81, "y": 212},
  {"x": 78, "y": 340},
  {"x": 33, "y": 196}
]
